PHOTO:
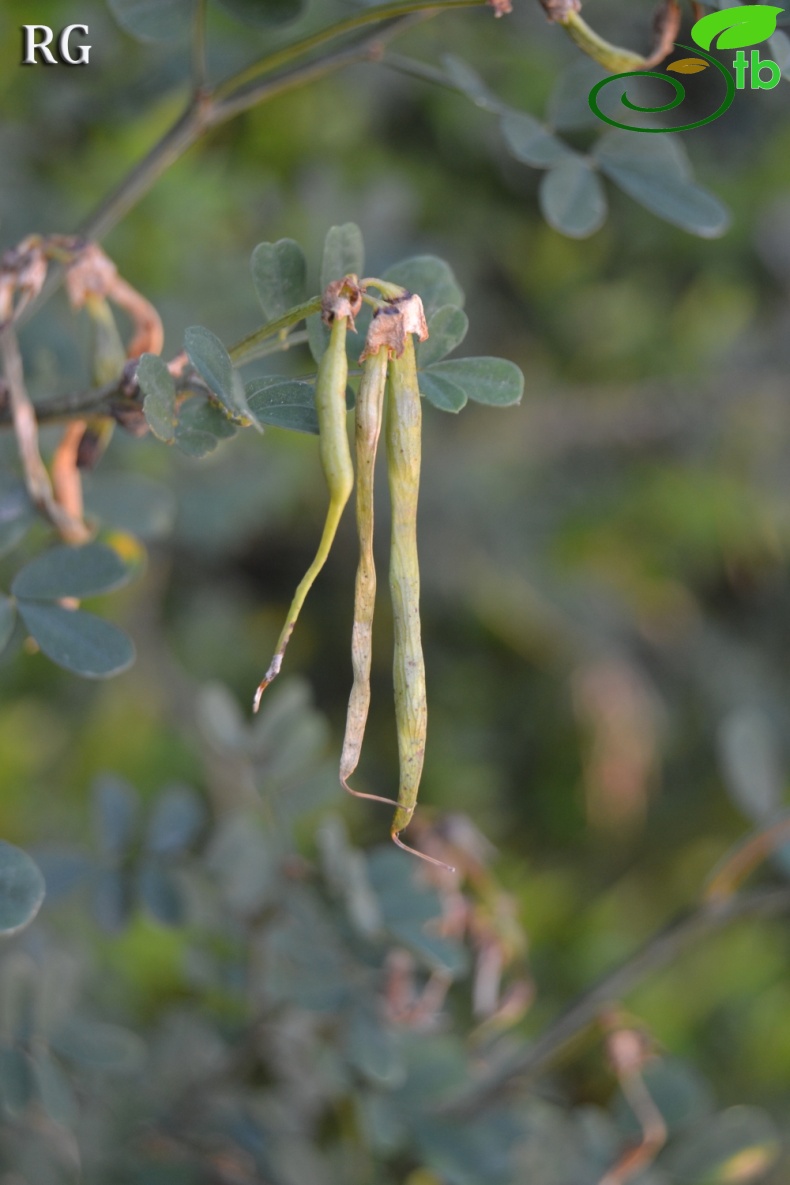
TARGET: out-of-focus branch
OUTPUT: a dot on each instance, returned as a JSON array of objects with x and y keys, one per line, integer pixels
[
  {"x": 659, "y": 952},
  {"x": 666, "y": 26},
  {"x": 23, "y": 416}
]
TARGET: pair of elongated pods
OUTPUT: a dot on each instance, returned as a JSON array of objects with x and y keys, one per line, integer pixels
[{"x": 388, "y": 362}]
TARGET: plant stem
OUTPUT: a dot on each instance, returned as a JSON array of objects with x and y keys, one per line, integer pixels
[
  {"x": 199, "y": 48},
  {"x": 353, "y": 24}
]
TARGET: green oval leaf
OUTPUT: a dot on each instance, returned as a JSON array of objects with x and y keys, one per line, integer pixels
[
  {"x": 21, "y": 889},
  {"x": 284, "y": 403},
  {"x": 441, "y": 392},
  {"x": 159, "y": 406},
  {"x": 572, "y": 198},
  {"x": 71, "y": 572},
  {"x": 531, "y": 142},
  {"x": 279, "y": 273},
  {"x": 78, "y": 641},
  {"x": 494, "y": 381},
  {"x": 261, "y": 13},
  {"x": 654, "y": 171},
  {"x": 7, "y": 620},
  {"x": 153, "y": 20},
  {"x": 201, "y": 426},
  {"x": 446, "y": 330},
  {"x": 431, "y": 278},
  {"x": 344, "y": 253},
  {"x": 212, "y": 362},
  {"x": 736, "y": 28}
]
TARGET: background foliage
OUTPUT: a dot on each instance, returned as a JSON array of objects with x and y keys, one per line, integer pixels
[{"x": 210, "y": 992}]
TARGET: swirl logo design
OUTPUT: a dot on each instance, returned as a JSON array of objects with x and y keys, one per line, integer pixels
[{"x": 731, "y": 28}]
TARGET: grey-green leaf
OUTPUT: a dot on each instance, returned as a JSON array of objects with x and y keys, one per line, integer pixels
[
  {"x": 285, "y": 403},
  {"x": 78, "y": 641},
  {"x": 568, "y": 107},
  {"x": 7, "y": 620},
  {"x": 344, "y": 253},
  {"x": 261, "y": 13},
  {"x": 160, "y": 893},
  {"x": 201, "y": 426},
  {"x": 177, "y": 818},
  {"x": 572, "y": 198},
  {"x": 99, "y": 1046},
  {"x": 279, "y": 273},
  {"x": 469, "y": 82},
  {"x": 71, "y": 572},
  {"x": 441, "y": 392},
  {"x": 21, "y": 889},
  {"x": 159, "y": 405},
  {"x": 116, "y": 807},
  {"x": 54, "y": 1090},
  {"x": 446, "y": 330},
  {"x": 531, "y": 142},
  {"x": 431, "y": 278},
  {"x": 749, "y": 24},
  {"x": 486, "y": 380},
  {"x": 654, "y": 171},
  {"x": 153, "y": 20},
  {"x": 16, "y": 515},
  {"x": 212, "y": 362}
]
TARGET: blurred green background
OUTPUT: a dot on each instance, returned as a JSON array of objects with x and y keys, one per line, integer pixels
[{"x": 605, "y": 567}]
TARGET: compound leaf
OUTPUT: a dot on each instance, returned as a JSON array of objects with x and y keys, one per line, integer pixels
[{"x": 653, "y": 171}]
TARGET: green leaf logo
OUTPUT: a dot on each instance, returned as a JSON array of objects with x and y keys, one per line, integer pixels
[
  {"x": 736, "y": 28},
  {"x": 688, "y": 65}
]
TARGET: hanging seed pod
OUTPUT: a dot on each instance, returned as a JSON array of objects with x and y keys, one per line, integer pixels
[
  {"x": 368, "y": 419},
  {"x": 404, "y": 439},
  {"x": 341, "y": 301}
]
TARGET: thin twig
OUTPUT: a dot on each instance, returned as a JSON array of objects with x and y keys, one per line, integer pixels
[{"x": 658, "y": 952}]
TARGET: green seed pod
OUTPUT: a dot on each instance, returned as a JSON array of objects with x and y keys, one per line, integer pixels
[
  {"x": 404, "y": 443},
  {"x": 333, "y": 447},
  {"x": 368, "y": 418},
  {"x": 404, "y": 419}
]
